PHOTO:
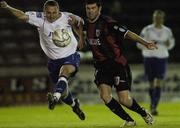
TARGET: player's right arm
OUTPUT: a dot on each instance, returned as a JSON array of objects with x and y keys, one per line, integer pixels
[
  {"x": 123, "y": 31},
  {"x": 17, "y": 13}
]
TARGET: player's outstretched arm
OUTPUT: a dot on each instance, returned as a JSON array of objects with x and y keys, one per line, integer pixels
[
  {"x": 17, "y": 13},
  {"x": 78, "y": 29},
  {"x": 148, "y": 44}
]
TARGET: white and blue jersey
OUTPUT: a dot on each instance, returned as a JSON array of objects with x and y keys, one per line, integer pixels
[
  {"x": 56, "y": 40},
  {"x": 156, "y": 60},
  {"x": 162, "y": 36},
  {"x": 46, "y": 30}
]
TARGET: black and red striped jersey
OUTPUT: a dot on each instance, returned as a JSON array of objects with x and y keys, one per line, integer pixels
[{"x": 105, "y": 39}]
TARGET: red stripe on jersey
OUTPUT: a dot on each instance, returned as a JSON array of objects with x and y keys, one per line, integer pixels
[
  {"x": 117, "y": 51},
  {"x": 98, "y": 55}
]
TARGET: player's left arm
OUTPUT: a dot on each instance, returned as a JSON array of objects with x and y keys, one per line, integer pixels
[{"x": 77, "y": 25}]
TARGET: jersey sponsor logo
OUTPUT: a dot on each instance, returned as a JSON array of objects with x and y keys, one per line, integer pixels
[{"x": 94, "y": 41}]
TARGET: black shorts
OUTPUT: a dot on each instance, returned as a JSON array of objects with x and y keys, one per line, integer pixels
[{"x": 114, "y": 75}]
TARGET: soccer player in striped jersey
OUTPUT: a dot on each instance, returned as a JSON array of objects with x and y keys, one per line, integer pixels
[{"x": 105, "y": 38}]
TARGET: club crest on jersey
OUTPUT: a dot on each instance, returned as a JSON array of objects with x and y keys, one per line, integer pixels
[{"x": 98, "y": 32}]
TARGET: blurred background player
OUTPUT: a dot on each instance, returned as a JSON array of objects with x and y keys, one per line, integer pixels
[
  {"x": 105, "y": 36},
  {"x": 155, "y": 62},
  {"x": 59, "y": 44}
]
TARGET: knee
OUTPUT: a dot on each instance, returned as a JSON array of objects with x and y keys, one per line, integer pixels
[
  {"x": 159, "y": 83},
  {"x": 67, "y": 70},
  {"x": 106, "y": 98},
  {"x": 126, "y": 101}
]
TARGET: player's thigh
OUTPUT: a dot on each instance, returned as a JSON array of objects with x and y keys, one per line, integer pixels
[
  {"x": 150, "y": 68},
  {"x": 105, "y": 89},
  {"x": 161, "y": 68}
]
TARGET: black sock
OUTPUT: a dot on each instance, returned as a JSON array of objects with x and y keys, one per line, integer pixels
[
  {"x": 137, "y": 108},
  {"x": 150, "y": 92},
  {"x": 116, "y": 108}
]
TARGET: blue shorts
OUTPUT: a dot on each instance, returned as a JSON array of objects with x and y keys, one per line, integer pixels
[
  {"x": 55, "y": 65},
  {"x": 155, "y": 68}
]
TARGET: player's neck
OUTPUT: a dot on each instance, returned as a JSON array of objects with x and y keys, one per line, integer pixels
[
  {"x": 94, "y": 20},
  {"x": 158, "y": 25}
]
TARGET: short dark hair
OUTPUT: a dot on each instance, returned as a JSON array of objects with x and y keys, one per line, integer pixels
[
  {"x": 51, "y": 3},
  {"x": 98, "y": 2},
  {"x": 161, "y": 12}
]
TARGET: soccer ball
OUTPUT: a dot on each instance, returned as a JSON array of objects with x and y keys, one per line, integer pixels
[{"x": 61, "y": 38}]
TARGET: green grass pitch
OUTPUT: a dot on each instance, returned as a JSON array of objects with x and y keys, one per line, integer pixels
[{"x": 97, "y": 116}]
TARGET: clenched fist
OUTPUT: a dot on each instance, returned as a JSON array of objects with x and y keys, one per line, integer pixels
[
  {"x": 3, "y": 4},
  {"x": 151, "y": 45}
]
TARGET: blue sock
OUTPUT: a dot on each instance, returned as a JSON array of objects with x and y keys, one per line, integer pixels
[
  {"x": 153, "y": 97},
  {"x": 158, "y": 95},
  {"x": 69, "y": 99},
  {"x": 61, "y": 85}
]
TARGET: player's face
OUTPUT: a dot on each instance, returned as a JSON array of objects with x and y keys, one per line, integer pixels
[
  {"x": 158, "y": 18},
  {"x": 92, "y": 11},
  {"x": 52, "y": 13}
]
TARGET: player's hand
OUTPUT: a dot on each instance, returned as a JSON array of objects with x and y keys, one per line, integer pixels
[
  {"x": 72, "y": 20},
  {"x": 151, "y": 45},
  {"x": 3, "y": 4}
]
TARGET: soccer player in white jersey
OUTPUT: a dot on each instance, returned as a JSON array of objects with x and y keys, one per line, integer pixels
[
  {"x": 59, "y": 44},
  {"x": 155, "y": 62}
]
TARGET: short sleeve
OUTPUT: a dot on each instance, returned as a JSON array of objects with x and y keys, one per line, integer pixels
[
  {"x": 171, "y": 40},
  {"x": 120, "y": 29},
  {"x": 35, "y": 18},
  {"x": 143, "y": 32}
]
